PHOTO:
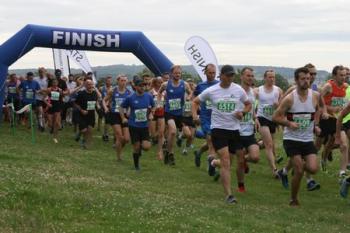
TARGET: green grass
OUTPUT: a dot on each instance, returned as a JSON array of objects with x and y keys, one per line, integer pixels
[{"x": 61, "y": 188}]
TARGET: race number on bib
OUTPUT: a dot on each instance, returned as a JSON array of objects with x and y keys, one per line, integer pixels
[
  {"x": 91, "y": 105},
  {"x": 118, "y": 102},
  {"x": 208, "y": 104},
  {"x": 304, "y": 120},
  {"x": 268, "y": 110},
  {"x": 55, "y": 95},
  {"x": 12, "y": 90},
  {"x": 338, "y": 102},
  {"x": 29, "y": 94},
  {"x": 188, "y": 106},
  {"x": 141, "y": 115},
  {"x": 174, "y": 104},
  {"x": 247, "y": 118},
  {"x": 226, "y": 106}
]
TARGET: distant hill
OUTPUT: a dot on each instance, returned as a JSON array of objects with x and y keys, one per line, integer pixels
[{"x": 130, "y": 70}]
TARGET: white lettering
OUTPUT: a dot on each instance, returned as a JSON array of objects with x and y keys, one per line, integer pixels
[
  {"x": 99, "y": 40},
  {"x": 57, "y": 35},
  {"x": 76, "y": 38},
  {"x": 67, "y": 41},
  {"x": 89, "y": 40},
  {"x": 114, "y": 40},
  {"x": 86, "y": 39}
]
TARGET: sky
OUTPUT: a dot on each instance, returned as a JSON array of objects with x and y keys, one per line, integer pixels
[{"x": 242, "y": 32}]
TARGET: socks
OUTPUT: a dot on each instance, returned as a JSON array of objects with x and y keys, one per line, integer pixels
[{"x": 136, "y": 157}]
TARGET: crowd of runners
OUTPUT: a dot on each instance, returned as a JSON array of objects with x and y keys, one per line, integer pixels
[{"x": 167, "y": 111}]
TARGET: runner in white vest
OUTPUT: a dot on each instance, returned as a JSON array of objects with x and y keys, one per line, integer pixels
[
  {"x": 268, "y": 96},
  {"x": 297, "y": 114}
]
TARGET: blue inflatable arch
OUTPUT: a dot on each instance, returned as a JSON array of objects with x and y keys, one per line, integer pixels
[{"x": 32, "y": 36}]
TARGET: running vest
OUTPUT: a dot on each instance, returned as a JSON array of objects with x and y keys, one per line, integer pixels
[
  {"x": 266, "y": 101},
  {"x": 336, "y": 98},
  {"x": 247, "y": 123},
  {"x": 159, "y": 112},
  {"x": 118, "y": 98},
  {"x": 347, "y": 100},
  {"x": 302, "y": 113},
  {"x": 175, "y": 98}
]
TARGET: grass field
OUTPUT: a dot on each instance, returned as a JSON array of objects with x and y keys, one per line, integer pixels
[{"x": 62, "y": 188}]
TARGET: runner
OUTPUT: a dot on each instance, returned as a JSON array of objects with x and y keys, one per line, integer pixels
[
  {"x": 205, "y": 118},
  {"x": 42, "y": 80},
  {"x": 29, "y": 88},
  {"x": 334, "y": 92},
  {"x": 111, "y": 104},
  {"x": 142, "y": 108},
  {"x": 102, "y": 114},
  {"x": 158, "y": 122},
  {"x": 268, "y": 96},
  {"x": 297, "y": 114},
  {"x": 174, "y": 102},
  {"x": 247, "y": 131},
  {"x": 86, "y": 104},
  {"x": 55, "y": 105},
  {"x": 188, "y": 126},
  {"x": 12, "y": 94},
  {"x": 225, "y": 98},
  {"x": 311, "y": 184}
]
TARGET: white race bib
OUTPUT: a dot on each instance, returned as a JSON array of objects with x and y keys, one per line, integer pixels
[
  {"x": 141, "y": 115},
  {"x": 91, "y": 105}
]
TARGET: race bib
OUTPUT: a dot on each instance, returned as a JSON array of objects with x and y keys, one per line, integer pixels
[
  {"x": 268, "y": 110},
  {"x": 141, "y": 115},
  {"x": 158, "y": 104},
  {"x": 91, "y": 105},
  {"x": 12, "y": 90},
  {"x": 208, "y": 104},
  {"x": 29, "y": 94},
  {"x": 227, "y": 106},
  {"x": 188, "y": 106},
  {"x": 175, "y": 104},
  {"x": 247, "y": 118},
  {"x": 118, "y": 102},
  {"x": 304, "y": 120},
  {"x": 55, "y": 95},
  {"x": 338, "y": 102}
]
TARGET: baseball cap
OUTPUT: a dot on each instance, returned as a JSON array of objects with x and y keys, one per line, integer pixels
[{"x": 227, "y": 70}]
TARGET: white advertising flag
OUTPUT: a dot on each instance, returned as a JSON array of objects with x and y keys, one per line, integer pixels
[
  {"x": 61, "y": 61},
  {"x": 80, "y": 58},
  {"x": 200, "y": 54}
]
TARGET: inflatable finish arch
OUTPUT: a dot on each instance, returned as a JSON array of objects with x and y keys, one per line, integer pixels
[{"x": 67, "y": 38}]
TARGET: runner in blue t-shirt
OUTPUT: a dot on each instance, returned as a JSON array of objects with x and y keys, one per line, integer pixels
[
  {"x": 174, "y": 103},
  {"x": 205, "y": 116},
  {"x": 29, "y": 89},
  {"x": 141, "y": 105},
  {"x": 111, "y": 104}
]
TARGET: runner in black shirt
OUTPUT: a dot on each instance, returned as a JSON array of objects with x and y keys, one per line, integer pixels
[{"x": 86, "y": 104}]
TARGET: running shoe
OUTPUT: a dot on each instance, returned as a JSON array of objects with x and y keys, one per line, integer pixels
[
  {"x": 197, "y": 158},
  {"x": 211, "y": 168},
  {"x": 313, "y": 185},
  {"x": 231, "y": 200},
  {"x": 284, "y": 178},
  {"x": 344, "y": 187}
]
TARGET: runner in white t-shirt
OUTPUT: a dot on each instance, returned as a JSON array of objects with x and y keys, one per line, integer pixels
[
  {"x": 42, "y": 80},
  {"x": 225, "y": 122}
]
